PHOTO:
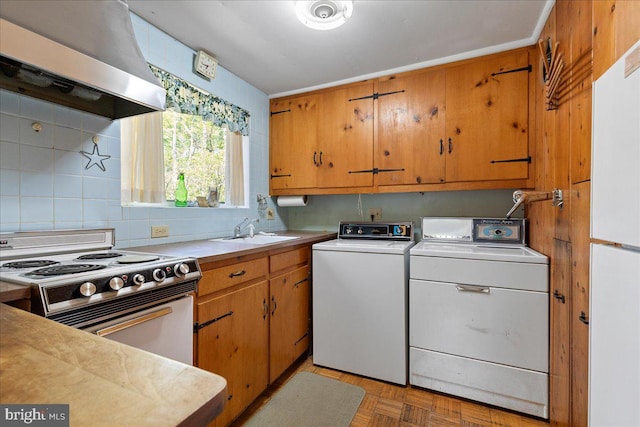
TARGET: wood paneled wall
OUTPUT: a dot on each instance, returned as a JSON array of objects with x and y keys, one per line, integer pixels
[{"x": 592, "y": 36}]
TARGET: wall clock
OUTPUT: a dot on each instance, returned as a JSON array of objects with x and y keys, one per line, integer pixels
[{"x": 205, "y": 64}]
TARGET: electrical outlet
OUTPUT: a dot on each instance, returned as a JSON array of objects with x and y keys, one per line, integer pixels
[
  {"x": 271, "y": 214},
  {"x": 375, "y": 214},
  {"x": 159, "y": 231}
]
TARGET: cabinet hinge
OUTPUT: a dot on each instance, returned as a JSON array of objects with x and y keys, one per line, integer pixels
[
  {"x": 197, "y": 326},
  {"x": 524, "y": 159},
  {"x": 273, "y": 113},
  {"x": 515, "y": 70},
  {"x": 376, "y": 95},
  {"x": 376, "y": 171}
]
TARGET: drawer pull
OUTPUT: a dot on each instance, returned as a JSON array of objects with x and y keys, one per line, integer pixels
[
  {"x": 237, "y": 274},
  {"x": 476, "y": 289},
  {"x": 265, "y": 308}
]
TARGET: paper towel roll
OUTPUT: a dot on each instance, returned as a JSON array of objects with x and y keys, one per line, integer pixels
[{"x": 289, "y": 201}]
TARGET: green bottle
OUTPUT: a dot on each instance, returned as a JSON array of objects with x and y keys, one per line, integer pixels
[{"x": 181, "y": 192}]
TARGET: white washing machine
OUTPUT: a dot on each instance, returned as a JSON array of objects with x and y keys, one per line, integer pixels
[
  {"x": 479, "y": 313},
  {"x": 359, "y": 294}
]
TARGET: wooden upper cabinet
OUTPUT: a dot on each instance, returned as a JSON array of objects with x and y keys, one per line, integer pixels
[
  {"x": 293, "y": 139},
  {"x": 487, "y": 119},
  {"x": 411, "y": 128},
  {"x": 453, "y": 124},
  {"x": 345, "y": 137}
]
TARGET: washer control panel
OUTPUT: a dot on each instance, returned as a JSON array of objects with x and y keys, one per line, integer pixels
[{"x": 402, "y": 230}]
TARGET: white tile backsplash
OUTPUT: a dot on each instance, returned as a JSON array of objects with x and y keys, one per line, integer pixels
[
  {"x": 9, "y": 128},
  {"x": 67, "y": 186},
  {"x": 9, "y": 155},
  {"x": 9, "y": 102},
  {"x": 32, "y": 108},
  {"x": 67, "y": 210},
  {"x": 66, "y": 138},
  {"x": 9, "y": 182},
  {"x": 42, "y": 138},
  {"x": 35, "y": 210},
  {"x": 36, "y": 159},
  {"x": 68, "y": 162},
  {"x": 36, "y": 184}
]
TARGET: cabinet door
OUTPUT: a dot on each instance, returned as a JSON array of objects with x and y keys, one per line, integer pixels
[
  {"x": 293, "y": 136},
  {"x": 346, "y": 137},
  {"x": 289, "y": 329},
  {"x": 235, "y": 345},
  {"x": 487, "y": 119},
  {"x": 411, "y": 129}
]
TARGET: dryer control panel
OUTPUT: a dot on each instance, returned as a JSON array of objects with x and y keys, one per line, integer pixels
[{"x": 474, "y": 230}]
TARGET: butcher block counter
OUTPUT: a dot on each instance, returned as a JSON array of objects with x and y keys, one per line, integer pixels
[{"x": 104, "y": 382}]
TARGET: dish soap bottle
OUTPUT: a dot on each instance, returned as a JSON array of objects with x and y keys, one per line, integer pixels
[{"x": 181, "y": 192}]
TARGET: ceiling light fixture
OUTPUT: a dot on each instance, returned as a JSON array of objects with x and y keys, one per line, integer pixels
[{"x": 324, "y": 14}]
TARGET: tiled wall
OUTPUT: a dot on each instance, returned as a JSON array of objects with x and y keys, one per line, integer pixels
[{"x": 44, "y": 183}]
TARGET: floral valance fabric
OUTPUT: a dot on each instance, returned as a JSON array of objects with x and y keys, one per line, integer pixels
[{"x": 186, "y": 98}]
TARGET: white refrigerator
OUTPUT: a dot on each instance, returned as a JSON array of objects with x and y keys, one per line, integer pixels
[{"x": 614, "y": 318}]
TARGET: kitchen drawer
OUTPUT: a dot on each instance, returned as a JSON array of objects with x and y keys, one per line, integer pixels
[
  {"x": 497, "y": 325},
  {"x": 288, "y": 259},
  {"x": 504, "y": 386},
  {"x": 231, "y": 275},
  {"x": 500, "y": 274}
]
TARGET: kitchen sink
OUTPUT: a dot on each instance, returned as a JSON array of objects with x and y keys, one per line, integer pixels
[{"x": 258, "y": 239}]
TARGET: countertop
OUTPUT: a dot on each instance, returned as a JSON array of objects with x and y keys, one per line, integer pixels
[
  {"x": 12, "y": 292},
  {"x": 104, "y": 382},
  {"x": 208, "y": 251}
]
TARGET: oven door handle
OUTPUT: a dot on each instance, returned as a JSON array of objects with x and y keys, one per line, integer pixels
[{"x": 133, "y": 322}]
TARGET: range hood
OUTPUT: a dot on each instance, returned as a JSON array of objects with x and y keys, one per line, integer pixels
[{"x": 81, "y": 54}]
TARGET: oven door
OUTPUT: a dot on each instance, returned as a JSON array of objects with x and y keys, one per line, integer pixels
[{"x": 165, "y": 330}]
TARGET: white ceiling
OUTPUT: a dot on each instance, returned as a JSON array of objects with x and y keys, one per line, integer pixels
[{"x": 263, "y": 42}]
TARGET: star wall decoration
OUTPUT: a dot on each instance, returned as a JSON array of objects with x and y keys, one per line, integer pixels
[{"x": 95, "y": 158}]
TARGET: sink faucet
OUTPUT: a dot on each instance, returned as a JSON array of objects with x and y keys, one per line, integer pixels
[{"x": 246, "y": 222}]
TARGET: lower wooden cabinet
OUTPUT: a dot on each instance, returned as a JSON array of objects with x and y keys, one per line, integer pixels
[
  {"x": 289, "y": 324},
  {"x": 235, "y": 344},
  {"x": 252, "y": 322}
]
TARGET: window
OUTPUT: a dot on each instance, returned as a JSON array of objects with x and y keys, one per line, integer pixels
[
  {"x": 197, "y": 148},
  {"x": 199, "y": 134}
]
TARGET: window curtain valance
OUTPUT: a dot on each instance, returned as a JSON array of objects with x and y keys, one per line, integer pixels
[{"x": 183, "y": 97}]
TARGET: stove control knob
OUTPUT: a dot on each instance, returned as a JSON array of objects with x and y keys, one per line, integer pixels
[
  {"x": 87, "y": 289},
  {"x": 138, "y": 279},
  {"x": 159, "y": 275},
  {"x": 116, "y": 283},
  {"x": 181, "y": 269}
]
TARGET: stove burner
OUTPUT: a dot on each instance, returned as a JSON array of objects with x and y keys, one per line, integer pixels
[
  {"x": 32, "y": 263},
  {"x": 134, "y": 259},
  {"x": 58, "y": 270},
  {"x": 100, "y": 255}
]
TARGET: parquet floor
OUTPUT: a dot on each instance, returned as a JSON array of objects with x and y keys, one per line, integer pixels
[{"x": 388, "y": 405}]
